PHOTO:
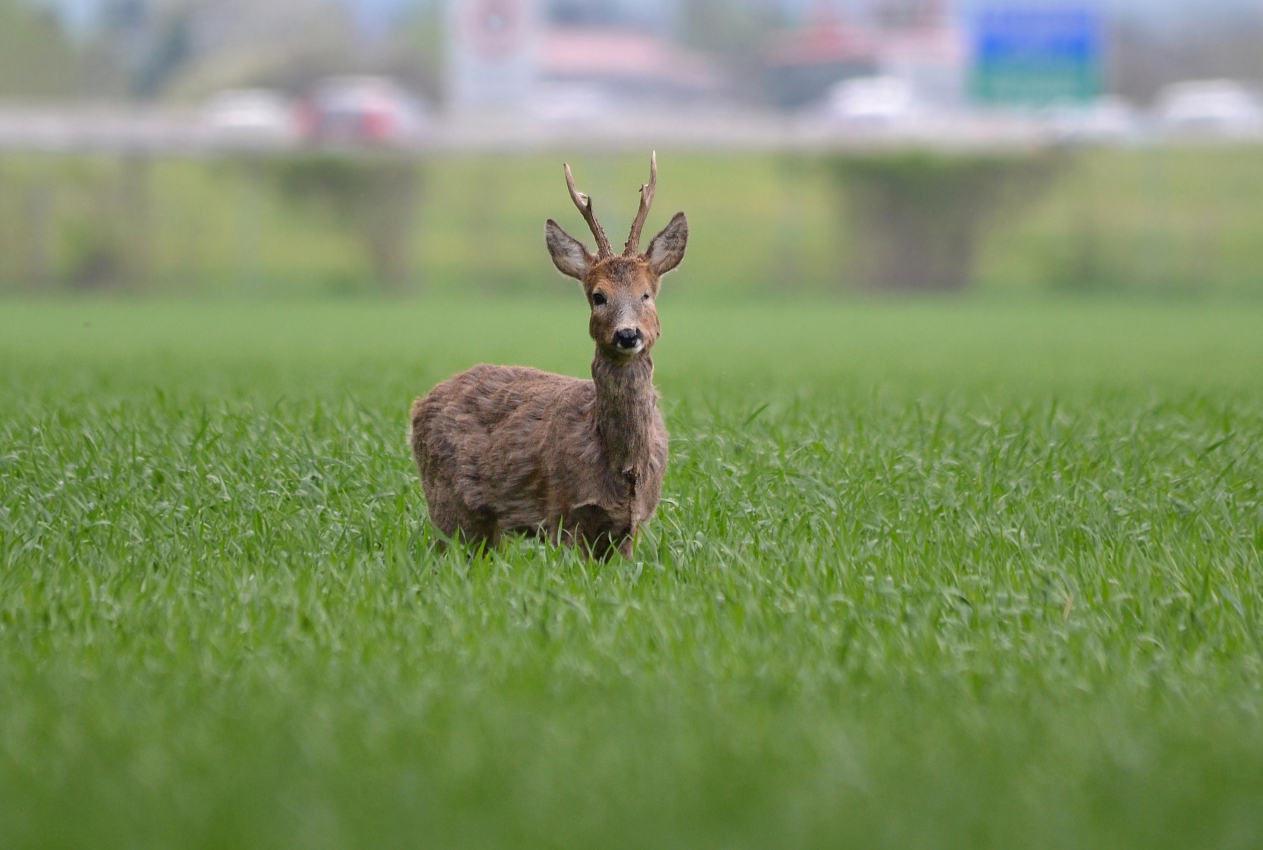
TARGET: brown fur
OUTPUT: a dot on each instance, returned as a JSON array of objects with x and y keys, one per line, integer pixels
[{"x": 509, "y": 449}]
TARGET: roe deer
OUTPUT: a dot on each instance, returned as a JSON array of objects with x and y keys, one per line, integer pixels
[{"x": 508, "y": 449}]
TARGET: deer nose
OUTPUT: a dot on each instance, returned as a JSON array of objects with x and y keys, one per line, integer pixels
[{"x": 627, "y": 338}]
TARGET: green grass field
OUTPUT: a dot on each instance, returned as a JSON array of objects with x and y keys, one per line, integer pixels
[{"x": 926, "y": 575}]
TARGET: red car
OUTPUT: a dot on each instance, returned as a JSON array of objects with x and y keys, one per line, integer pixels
[{"x": 362, "y": 110}]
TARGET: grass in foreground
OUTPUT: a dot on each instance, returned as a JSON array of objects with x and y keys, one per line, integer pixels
[{"x": 927, "y": 576}]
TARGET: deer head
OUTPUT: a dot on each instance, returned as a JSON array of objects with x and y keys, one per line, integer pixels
[{"x": 620, "y": 289}]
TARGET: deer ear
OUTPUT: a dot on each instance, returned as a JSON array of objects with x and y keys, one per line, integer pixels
[
  {"x": 569, "y": 255},
  {"x": 667, "y": 248}
]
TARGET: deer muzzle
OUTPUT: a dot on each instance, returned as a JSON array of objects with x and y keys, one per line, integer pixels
[{"x": 629, "y": 340}]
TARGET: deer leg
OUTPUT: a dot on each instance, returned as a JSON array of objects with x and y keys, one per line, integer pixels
[
  {"x": 478, "y": 528},
  {"x": 587, "y": 527},
  {"x": 602, "y": 547},
  {"x": 627, "y": 546},
  {"x": 456, "y": 520}
]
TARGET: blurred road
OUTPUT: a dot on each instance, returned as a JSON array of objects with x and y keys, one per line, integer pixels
[{"x": 134, "y": 130}]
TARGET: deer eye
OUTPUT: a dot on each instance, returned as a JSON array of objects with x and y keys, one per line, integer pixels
[
  {"x": 645, "y": 297},
  {"x": 597, "y": 299}
]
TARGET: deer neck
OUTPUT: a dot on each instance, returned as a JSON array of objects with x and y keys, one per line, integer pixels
[{"x": 626, "y": 406}]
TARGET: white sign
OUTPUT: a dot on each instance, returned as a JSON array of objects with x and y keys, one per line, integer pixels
[{"x": 492, "y": 47}]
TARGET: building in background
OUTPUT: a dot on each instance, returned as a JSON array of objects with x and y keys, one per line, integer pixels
[
  {"x": 803, "y": 64},
  {"x": 917, "y": 42},
  {"x": 624, "y": 67},
  {"x": 573, "y": 61}
]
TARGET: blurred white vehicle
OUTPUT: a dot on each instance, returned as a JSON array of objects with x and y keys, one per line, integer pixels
[
  {"x": 564, "y": 103},
  {"x": 1106, "y": 119},
  {"x": 1211, "y": 108},
  {"x": 873, "y": 101},
  {"x": 250, "y": 117},
  {"x": 359, "y": 110}
]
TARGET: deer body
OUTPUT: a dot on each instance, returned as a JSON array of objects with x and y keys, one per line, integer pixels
[{"x": 509, "y": 449}]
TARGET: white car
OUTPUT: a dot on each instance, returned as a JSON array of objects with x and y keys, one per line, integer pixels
[
  {"x": 1223, "y": 108},
  {"x": 246, "y": 117},
  {"x": 1106, "y": 119},
  {"x": 873, "y": 101},
  {"x": 563, "y": 103}
]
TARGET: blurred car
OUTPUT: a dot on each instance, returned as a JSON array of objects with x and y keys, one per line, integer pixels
[
  {"x": 250, "y": 117},
  {"x": 873, "y": 102},
  {"x": 363, "y": 110},
  {"x": 1106, "y": 119},
  {"x": 564, "y": 103},
  {"x": 1210, "y": 108}
]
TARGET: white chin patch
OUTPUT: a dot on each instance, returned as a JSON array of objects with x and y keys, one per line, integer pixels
[{"x": 639, "y": 347}]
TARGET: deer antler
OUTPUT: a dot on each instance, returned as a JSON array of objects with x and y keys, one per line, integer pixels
[
  {"x": 584, "y": 203},
  {"x": 646, "y": 200}
]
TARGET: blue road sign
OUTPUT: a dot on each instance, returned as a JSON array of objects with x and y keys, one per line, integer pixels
[{"x": 1037, "y": 54}]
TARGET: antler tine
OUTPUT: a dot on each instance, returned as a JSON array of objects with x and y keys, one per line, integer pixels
[
  {"x": 584, "y": 203},
  {"x": 646, "y": 200}
]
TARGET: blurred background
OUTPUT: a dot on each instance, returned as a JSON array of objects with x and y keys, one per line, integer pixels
[{"x": 358, "y": 147}]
